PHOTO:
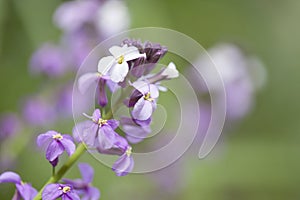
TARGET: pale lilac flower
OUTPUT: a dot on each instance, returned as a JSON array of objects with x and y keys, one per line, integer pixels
[
  {"x": 55, "y": 144},
  {"x": 112, "y": 18},
  {"x": 67, "y": 18},
  {"x": 125, "y": 163},
  {"x": 166, "y": 73},
  {"x": 135, "y": 132},
  {"x": 56, "y": 190},
  {"x": 9, "y": 126},
  {"x": 24, "y": 190},
  {"x": 37, "y": 112},
  {"x": 116, "y": 66},
  {"x": 49, "y": 60},
  {"x": 98, "y": 133},
  {"x": 100, "y": 81},
  {"x": 83, "y": 186},
  {"x": 146, "y": 104}
]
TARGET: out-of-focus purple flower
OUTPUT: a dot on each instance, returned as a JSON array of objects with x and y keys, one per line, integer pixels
[
  {"x": 88, "y": 79},
  {"x": 49, "y": 60},
  {"x": 135, "y": 132},
  {"x": 56, "y": 190},
  {"x": 116, "y": 66},
  {"x": 125, "y": 163},
  {"x": 112, "y": 18},
  {"x": 9, "y": 125},
  {"x": 37, "y": 112},
  {"x": 67, "y": 18},
  {"x": 99, "y": 133},
  {"x": 55, "y": 144},
  {"x": 24, "y": 190},
  {"x": 83, "y": 186},
  {"x": 146, "y": 102}
]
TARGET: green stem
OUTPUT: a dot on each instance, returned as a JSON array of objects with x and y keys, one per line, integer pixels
[{"x": 56, "y": 177}]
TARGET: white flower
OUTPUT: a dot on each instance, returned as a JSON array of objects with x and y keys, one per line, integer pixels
[
  {"x": 170, "y": 71},
  {"x": 116, "y": 66}
]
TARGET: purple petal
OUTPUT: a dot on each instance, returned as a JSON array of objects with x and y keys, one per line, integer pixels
[
  {"x": 113, "y": 123},
  {"x": 112, "y": 86},
  {"x": 87, "y": 172},
  {"x": 70, "y": 196},
  {"x": 54, "y": 162},
  {"x": 146, "y": 122},
  {"x": 54, "y": 150},
  {"x": 44, "y": 139},
  {"x": 134, "y": 132},
  {"x": 102, "y": 98},
  {"x": 76, "y": 184},
  {"x": 92, "y": 194},
  {"x": 52, "y": 192},
  {"x": 88, "y": 135},
  {"x": 86, "y": 80},
  {"x": 123, "y": 165},
  {"x": 10, "y": 177},
  {"x": 80, "y": 128},
  {"x": 96, "y": 115},
  {"x": 142, "y": 110},
  {"x": 68, "y": 144},
  {"x": 26, "y": 191},
  {"x": 106, "y": 137}
]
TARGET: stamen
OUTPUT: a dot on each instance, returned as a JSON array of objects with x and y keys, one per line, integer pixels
[
  {"x": 102, "y": 122},
  {"x": 129, "y": 151},
  {"x": 66, "y": 189},
  {"x": 57, "y": 136},
  {"x": 148, "y": 97},
  {"x": 120, "y": 60}
]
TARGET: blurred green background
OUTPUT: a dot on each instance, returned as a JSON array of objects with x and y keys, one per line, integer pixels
[{"x": 258, "y": 160}]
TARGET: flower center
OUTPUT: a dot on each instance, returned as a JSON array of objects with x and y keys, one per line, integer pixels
[
  {"x": 147, "y": 97},
  {"x": 101, "y": 122},
  {"x": 120, "y": 60},
  {"x": 57, "y": 136},
  {"x": 128, "y": 151},
  {"x": 66, "y": 189}
]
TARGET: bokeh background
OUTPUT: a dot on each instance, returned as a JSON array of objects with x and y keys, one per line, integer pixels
[{"x": 257, "y": 159}]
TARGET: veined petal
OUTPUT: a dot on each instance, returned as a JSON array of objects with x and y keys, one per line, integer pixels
[
  {"x": 54, "y": 150},
  {"x": 133, "y": 55},
  {"x": 89, "y": 134},
  {"x": 118, "y": 72},
  {"x": 79, "y": 128},
  {"x": 113, "y": 123},
  {"x": 70, "y": 196},
  {"x": 45, "y": 138},
  {"x": 142, "y": 110},
  {"x": 106, "y": 137},
  {"x": 96, "y": 115},
  {"x": 87, "y": 172},
  {"x": 26, "y": 191},
  {"x": 68, "y": 144},
  {"x": 10, "y": 177},
  {"x": 52, "y": 192},
  {"x": 123, "y": 165},
  {"x": 105, "y": 64},
  {"x": 86, "y": 80}
]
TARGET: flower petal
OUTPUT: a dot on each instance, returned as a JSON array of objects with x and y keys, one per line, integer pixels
[
  {"x": 54, "y": 150},
  {"x": 105, "y": 64},
  {"x": 142, "y": 110},
  {"x": 87, "y": 172},
  {"x": 10, "y": 177},
  {"x": 113, "y": 123},
  {"x": 70, "y": 196},
  {"x": 44, "y": 139},
  {"x": 68, "y": 144},
  {"x": 26, "y": 191},
  {"x": 123, "y": 165},
  {"x": 96, "y": 115},
  {"x": 86, "y": 80},
  {"x": 106, "y": 137},
  {"x": 92, "y": 194},
  {"x": 118, "y": 72},
  {"x": 52, "y": 192}
]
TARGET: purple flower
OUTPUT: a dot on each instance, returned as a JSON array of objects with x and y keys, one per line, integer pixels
[
  {"x": 37, "y": 112},
  {"x": 146, "y": 101},
  {"x": 55, "y": 144},
  {"x": 49, "y": 60},
  {"x": 24, "y": 190},
  {"x": 67, "y": 18},
  {"x": 135, "y": 132},
  {"x": 88, "y": 79},
  {"x": 56, "y": 190},
  {"x": 99, "y": 133},
  {"x": 125, "y": 163},
  {"x": 9, "y": 125},
  {"x": 83, "y": 186}
]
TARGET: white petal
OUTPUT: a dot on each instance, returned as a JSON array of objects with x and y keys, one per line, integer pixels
[
  {"x": 118, "y": 72},
  {"x": 171, "y": 71},
  {"x": 133, "y": 55},
  {"x": 141, "y": 86},
  {"x": 154, "y": 93},
  {"x": 105, "y": 64},
  {"x": 142, "y": 110},
  {"x": 116, "y": 51}
]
